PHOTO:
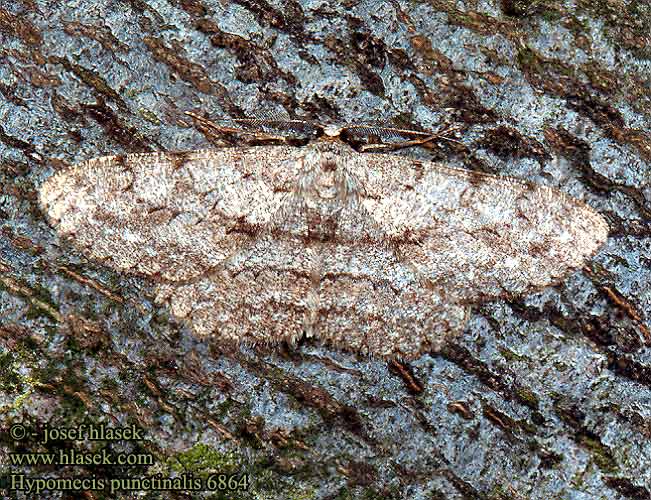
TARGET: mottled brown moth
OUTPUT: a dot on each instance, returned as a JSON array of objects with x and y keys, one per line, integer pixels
[{"x": 374, "y": 253}]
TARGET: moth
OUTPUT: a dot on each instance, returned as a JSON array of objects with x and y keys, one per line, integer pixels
[{"x": 369, "y": 252}]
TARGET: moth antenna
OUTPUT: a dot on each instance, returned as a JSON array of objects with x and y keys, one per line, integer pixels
[
  {"x": 271, "y": 115},
  {"x": 264, "y": 129},
  {"x": 419, "y": 139},
  {"x": 222, "y": 129},
  {"x": 383, "y": 132}
]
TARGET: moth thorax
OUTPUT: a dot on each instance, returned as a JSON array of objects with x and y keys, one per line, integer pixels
[
  {"x": 324, "y": 184},
  {"x": 329, "y": 183}
]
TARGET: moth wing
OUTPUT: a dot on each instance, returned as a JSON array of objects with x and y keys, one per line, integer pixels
[
  {"x": 475, "y": 235},
  {"x": 367, "y": 303},
  {"x": 388, "y": 313},
  {"x": 173, "y": 216}
]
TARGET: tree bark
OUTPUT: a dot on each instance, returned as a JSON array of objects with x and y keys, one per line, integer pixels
[{"x": 546, "y": 396}]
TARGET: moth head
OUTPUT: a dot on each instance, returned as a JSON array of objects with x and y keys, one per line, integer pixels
[{"x": 325, "y": 176}]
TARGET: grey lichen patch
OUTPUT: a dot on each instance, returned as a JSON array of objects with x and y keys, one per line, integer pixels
[
  {"x": 17, "y": 143},
  {"x": 98, "y": 33},
  {"x": 463, "y": 358},
  {"x": 188, "y": 70},
  {"x": 592, "y": 98},
  {"x": 303, "y": 395},
  {"x": 40, "y": 300},
  {"x": 256, "y": 63},
  {"x": 627, "y": 27},
  {"x": 572, "y": 415},
  {"x": 92, "y": 79},
  {"x": 20, "y": 242},
  {"x": 578, "y": 152},
  {"x": 364, "y": 62}
]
